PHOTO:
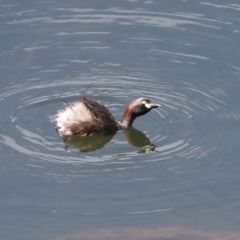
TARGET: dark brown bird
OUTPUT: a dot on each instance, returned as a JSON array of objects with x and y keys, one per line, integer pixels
[{"x": 87, "y": 117}]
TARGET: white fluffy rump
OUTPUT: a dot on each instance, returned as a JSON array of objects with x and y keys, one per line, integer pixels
[{"x": 72, "y": 114}]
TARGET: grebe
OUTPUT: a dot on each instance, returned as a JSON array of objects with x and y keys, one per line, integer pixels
[{"x": 87, "y": 117}]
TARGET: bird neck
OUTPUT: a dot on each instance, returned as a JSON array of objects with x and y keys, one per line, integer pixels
[{"x": 127, "y": 120}]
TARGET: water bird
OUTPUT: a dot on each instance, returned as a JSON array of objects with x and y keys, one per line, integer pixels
[{"x": 87, "y": 117}]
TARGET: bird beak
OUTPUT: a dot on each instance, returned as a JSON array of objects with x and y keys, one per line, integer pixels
[{"x": 154, "y": 105}]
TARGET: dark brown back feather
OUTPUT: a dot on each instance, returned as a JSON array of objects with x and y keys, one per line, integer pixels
[{"x": 103, "y": 122}]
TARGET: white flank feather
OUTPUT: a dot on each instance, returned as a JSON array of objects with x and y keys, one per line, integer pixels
[{"x": 74, "y": 113}]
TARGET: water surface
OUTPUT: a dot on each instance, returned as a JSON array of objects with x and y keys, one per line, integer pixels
[{"x": 183, "y": 55}]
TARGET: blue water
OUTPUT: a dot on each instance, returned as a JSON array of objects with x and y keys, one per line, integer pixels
[{"x": 183, "y": 170}]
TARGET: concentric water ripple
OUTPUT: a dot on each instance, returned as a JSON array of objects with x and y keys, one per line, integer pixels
[
  {"x": 173, "y": 129},
  {"x": 184, "y": 127}
]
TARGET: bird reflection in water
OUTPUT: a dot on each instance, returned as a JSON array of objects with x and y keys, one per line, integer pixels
[
  {"x": 138, "y": 139},
  {"x": 133, "y": 136}
]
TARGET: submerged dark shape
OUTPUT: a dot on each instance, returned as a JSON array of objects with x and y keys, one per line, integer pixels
[{"x": 86, "y": 117}]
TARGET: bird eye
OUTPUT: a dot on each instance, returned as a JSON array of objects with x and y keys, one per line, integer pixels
[{"x": 147, "y": 105}]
